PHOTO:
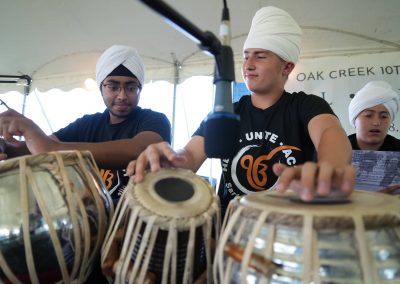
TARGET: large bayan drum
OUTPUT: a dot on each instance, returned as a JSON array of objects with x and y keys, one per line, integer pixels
[
  {"x": 54, "y": 210},
  {"x": 163, "y": 230},
  {"x": 271, "y": 238}
]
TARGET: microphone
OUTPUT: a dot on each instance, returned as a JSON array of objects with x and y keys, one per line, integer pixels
[
  {"x": 221, "y": 129},
  {"x": 221, "y": 136}
]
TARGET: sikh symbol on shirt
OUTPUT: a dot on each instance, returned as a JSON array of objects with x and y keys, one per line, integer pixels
[
  {"x": 111, "y": 179},
  {"x": 256, "y": 168}
]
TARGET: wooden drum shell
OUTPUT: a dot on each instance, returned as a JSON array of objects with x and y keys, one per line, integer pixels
[{"x": 163, "y": 230}]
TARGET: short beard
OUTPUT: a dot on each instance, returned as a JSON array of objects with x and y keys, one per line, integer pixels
[{"x": 119, "y": 115}]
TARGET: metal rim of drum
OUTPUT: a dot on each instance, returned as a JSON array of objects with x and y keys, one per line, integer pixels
[{"x": 32, "y": 160}]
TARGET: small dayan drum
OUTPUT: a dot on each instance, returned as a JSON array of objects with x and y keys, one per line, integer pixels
[
  {"x": 269, "y": 238},
  {"x": 54, "y": 209},
  {"x": 163, "y": 230}
]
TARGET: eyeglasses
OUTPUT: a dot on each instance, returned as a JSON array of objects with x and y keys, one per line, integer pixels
[{"x": 115, "y": 89}]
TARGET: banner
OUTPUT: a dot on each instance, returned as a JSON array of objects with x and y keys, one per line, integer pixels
[{"x": 337, "y": 79}]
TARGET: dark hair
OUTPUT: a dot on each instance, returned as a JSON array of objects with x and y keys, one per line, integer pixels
[{"x": 121, "y": 70}]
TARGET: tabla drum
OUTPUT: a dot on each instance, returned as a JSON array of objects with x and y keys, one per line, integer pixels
[
  {"x": 163, "y": 230},
  {"x": 271, "y": 238},
  {"x": 54, "y": 209}
]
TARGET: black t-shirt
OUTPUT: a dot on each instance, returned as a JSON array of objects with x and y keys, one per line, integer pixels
[
  {"x": 389, "y": 144},
  {"x": 278, "y": 134},
  {"x": 96, "y": 128}
]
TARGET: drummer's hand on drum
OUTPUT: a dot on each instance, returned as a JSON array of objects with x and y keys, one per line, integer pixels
[
  {"x": 154, "y": 157},
  {"x": 14, "y": 124},
  {"x": 311, "y": 179}
]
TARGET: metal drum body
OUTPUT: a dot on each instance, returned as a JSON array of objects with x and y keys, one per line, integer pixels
[
  {"x": 163, "y": 230},
  {"x": 54, "y": 209},
  {"x": 354, "y": 242}
]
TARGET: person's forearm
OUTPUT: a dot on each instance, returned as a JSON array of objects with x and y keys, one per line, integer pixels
[
  {"x": 334, "y": 147},
  {"x": 110, "y": 154},
  {"x": 189, "y": 161},
  {"x": 194, "y": 153}
]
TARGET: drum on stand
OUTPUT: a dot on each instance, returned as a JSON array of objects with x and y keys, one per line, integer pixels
[
  {"x": 163, "y": 230},
  {"x": 271, "y": 238},
  {"x": 54, "y": 209}
]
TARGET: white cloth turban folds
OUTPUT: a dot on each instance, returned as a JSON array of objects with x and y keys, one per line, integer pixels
[
  {"x": 115, "y": 56},
  {"x": 275, "y": 30},
  {"x": 372, "y": 94}
]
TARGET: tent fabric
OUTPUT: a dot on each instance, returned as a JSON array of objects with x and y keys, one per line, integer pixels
[{"x": 57, "y": 43}]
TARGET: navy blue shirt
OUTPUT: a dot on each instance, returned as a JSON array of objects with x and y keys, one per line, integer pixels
[{"x": 96, "y": 128}]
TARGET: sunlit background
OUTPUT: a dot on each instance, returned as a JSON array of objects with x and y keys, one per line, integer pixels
[{"x": 193, "y": 100}]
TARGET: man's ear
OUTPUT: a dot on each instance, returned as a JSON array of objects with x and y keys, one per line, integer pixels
[{"x": 288, "y": 68}]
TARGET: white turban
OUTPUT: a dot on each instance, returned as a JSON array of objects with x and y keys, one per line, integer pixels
[
  {"x": 372, "y": 94},
  {"x": 275, "y": 30},
  {"x": 119, "y": 55}
]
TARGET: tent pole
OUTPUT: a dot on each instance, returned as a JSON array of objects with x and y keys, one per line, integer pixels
[
  {"x": 177, "y": 67},
  {"x": 26, "y": 93}
]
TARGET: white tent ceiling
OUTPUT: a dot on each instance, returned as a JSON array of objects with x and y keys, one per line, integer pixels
[{"x": 57, "y": 42}]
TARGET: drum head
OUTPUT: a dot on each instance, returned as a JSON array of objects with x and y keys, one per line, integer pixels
[
  {"x": 359, "y": 202},
  {"x": 174, "y": 193}
]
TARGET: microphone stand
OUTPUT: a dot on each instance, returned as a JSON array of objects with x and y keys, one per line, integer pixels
[
  {"x": 224, "y": 71},
  {"x": 207, "y": 41}
]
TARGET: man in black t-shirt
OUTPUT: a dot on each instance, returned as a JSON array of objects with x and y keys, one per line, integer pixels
[{"x": 279, "y": 131}]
